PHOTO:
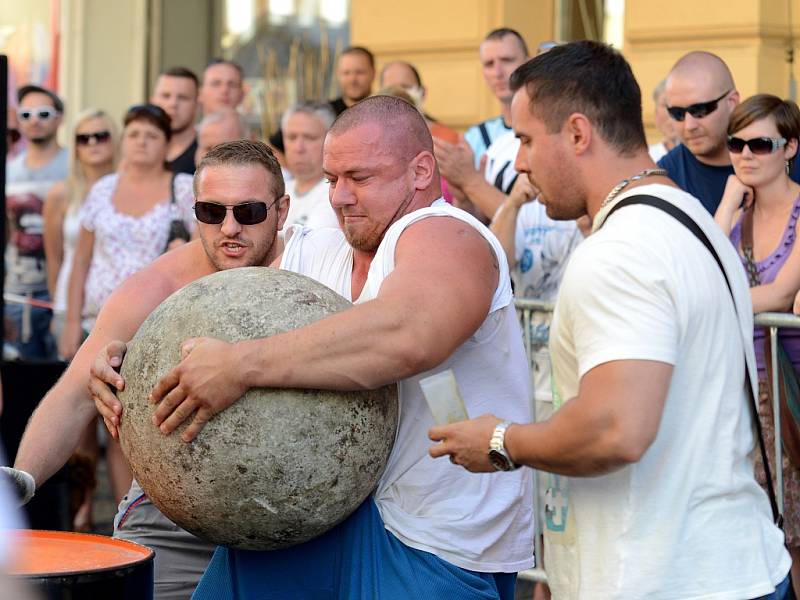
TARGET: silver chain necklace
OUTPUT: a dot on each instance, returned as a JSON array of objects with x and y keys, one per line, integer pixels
[{"x": 624, "y": 183}]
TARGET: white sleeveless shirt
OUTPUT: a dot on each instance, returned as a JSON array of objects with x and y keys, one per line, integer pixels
[
  {"x": 481, "y": 522},
  {"x": 70, "y": 231}
]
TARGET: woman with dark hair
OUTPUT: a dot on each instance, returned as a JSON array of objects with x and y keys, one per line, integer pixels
[
  {"x": 760, "y": 210},
  {"x": 125, "y": 224}
]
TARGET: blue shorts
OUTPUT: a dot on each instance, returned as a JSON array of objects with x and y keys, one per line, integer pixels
[{"x": 356, "y": 560}]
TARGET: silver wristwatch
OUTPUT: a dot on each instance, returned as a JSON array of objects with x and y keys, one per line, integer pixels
[{"x": 498, "y": 456}]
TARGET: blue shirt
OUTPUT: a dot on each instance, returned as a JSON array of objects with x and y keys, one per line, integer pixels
[{"x": 704, "y": 182}]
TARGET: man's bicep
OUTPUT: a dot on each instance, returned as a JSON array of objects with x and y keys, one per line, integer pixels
[
  {"x": 632, "y": 393},
  {"x": 128, "y": 307},
  {"x": 445, "y": 276}
]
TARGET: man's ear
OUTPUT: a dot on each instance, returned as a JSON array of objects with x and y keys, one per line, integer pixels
[
  {"x": 579, "y": 132},
  {"x": 282, "y": 206},
  {"x": 424, "y": 165}
]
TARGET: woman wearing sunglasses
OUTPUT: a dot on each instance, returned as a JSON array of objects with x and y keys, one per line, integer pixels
[
  {"x": 760, "y": 210},
  {"x": 92, "y": 154}
]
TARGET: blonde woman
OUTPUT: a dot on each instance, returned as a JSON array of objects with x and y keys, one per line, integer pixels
[
  {"x": 93, "y": 150},
  {"x": 93, "y": 154}
]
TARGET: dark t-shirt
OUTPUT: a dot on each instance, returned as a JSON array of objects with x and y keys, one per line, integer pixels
[
  {"x": 185, "y": 162},
  {"x": 338, "y": 105},
  {"x": 276, "y": 139},
  {"x": 704, "y": 182}
]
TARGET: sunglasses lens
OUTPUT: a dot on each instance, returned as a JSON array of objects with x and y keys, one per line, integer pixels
[
  {"x": 760, "y": 145},
  {"x": 250, "y": 213},
  {"x": 25, "y": 115},
  {"x": 83, "y": 139},
  {"x": 736, "y": 145},
  {"x": 677, "y": 112},
  {"x": 698, "y": 111},
  {"x": 208, "y": 212},
  {"x": 44, "y": 114}
]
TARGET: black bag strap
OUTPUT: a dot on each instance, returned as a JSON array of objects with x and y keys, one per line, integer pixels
[
  {"x": 692, "y": 226},
  {"x": 485, "y": 134},
  {"x": 747, "y": 247},
  {"x": 172, "y": 189}
]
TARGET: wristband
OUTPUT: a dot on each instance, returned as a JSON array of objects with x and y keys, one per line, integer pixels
[{"x": 23, "y": 483}]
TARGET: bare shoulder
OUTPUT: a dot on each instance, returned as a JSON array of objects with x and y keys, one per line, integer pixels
[
  {"x": 56, "y": 200},
  {"x": 447, "y": 236},
  {"x": 138, "y": 296}
]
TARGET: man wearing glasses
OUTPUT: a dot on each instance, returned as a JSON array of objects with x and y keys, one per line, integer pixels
[
  {"x": 29, "y": 176},
  {"x": 240, "y": 207},
  {"x": 701, "y": 95}
]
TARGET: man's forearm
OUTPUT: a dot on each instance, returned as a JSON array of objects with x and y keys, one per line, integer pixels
[
  {"x": 504, "y": 226},
  {"x": 573, "y": 442},
  {"x": 360, "y": 348},
  {"x": 54, "y": 431}
]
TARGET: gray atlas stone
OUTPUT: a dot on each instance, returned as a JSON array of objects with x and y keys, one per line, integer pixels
[{"x": 279, "y": 466}]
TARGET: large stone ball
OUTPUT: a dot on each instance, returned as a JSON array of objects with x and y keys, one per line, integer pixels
[{"x": 279, "y": 466}]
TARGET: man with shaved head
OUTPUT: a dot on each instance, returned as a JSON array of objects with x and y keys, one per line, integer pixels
[
  {"x": 700, "y": 95},
  {"x": 402, "y": 74},
  {"x": 224, "y": 125},
  {"x": 400, "y": 256}
]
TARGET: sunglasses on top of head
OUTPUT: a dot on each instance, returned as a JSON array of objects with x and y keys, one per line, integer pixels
[
  {"x": 43, "y": 113},
  {"x": 83, "y": 139},
  {"x": 248, "y": 213},
  {"x": 698, "y": 111},
  {"x": 759, "y": 145}
]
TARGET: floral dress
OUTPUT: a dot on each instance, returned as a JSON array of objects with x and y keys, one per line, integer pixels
[{"x": 124, "y": 243}]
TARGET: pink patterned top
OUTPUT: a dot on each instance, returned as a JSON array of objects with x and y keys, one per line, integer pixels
[{"x": 123, "y": 243}]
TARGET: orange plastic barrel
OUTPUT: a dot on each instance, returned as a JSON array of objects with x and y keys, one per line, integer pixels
[{"x": 62, "y": 564}]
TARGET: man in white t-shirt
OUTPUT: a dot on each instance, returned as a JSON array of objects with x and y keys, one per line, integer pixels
[
  {"x": 654, "y": 494},
  {"x": 399, "y": 256},
  {"x": 304, "y": 126}
]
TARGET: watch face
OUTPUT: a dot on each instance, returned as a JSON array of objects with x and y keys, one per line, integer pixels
[{"x": 499, "y": 462}]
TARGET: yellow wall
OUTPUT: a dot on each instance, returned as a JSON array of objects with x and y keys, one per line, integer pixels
[
  {"x": 104, "y": 55},
  {"x": 751, "y": 36},
  {"x": 441, "y": 39}
]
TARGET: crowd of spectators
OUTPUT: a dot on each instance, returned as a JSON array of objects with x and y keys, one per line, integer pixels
[{"x": 84, "y": 218}]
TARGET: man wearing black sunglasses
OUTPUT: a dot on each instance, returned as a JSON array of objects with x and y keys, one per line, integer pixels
[
  {"x": 29, "y": 176},
  {"x": 240, "y": 206},
  {"x": 701, "y": 95}
]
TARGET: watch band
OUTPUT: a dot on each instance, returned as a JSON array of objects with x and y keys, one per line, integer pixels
[{"x": 498, "y": 455}]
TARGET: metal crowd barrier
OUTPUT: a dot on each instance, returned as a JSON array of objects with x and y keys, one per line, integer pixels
[
  {"x": 772, "y": 322},
  {"x": 526, "y": 308}
]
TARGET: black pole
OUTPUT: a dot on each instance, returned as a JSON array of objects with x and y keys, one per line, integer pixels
[{"x": 3, "y": 152}]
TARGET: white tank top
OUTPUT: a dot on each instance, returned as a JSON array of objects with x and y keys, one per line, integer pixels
[
  {"x": 480, "y": 522},
  {"x": 70, "y": 230}
]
